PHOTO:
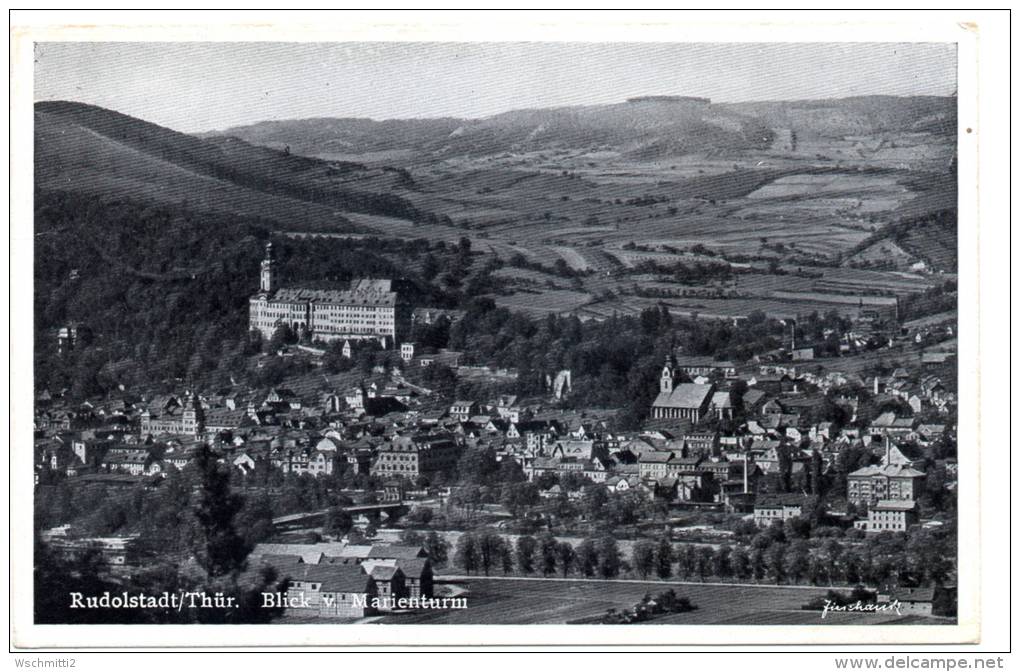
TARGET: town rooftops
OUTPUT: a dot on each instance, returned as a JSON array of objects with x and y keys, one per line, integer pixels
[{"x": 889, "y": 419}]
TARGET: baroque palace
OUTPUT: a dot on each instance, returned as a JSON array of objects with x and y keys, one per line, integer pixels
[{"x": 369, "y": 309}]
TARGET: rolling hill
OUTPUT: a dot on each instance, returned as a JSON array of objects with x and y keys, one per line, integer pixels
[{"x": 90, "y": 150}]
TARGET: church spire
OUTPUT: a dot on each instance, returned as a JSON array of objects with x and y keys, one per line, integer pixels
[{"x": 266, "y": 283}]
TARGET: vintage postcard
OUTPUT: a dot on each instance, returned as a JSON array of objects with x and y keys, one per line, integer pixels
[{"x": 655, "y": 333}]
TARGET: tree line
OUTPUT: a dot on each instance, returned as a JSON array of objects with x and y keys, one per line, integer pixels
[{"x": 914, "y": 558}]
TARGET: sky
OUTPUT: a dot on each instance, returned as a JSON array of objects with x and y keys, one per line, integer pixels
[{"x": 203, "y": 86}]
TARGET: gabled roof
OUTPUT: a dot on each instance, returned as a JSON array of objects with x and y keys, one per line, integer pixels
[
  {"x": 891, "y": 471},
  {"x": 912, "y": 594},
  {"x": 396, "y": 551},
  {"x": 413, "y": 568},
  {"x": 362, "y": 293},
  {"x": 702, "y": 361},
  {"x": 787, "y": 499},
  {"x": 753, "y": 396},
  {"x": 309, "y": 553},
  {"x": 334, "y": 578},
  {"x": 684, "y": 395},
  {"x": 722, "y": 400},
  {"x": 384, "y": 572}
]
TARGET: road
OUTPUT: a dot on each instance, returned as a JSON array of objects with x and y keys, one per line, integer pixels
[{"x": 665, "y": 582}]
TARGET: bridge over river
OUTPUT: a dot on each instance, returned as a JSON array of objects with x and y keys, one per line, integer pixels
[{"x": 392, "y": 510}]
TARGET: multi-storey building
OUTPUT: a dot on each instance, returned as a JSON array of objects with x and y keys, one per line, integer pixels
[
  {"x": 369, "y": 309},
  {"x": 166, "y": 415},
  {"x": 892, "y": 482},
  {"x": 411, "y": 457},
  {"x": 892, "y": 515}
]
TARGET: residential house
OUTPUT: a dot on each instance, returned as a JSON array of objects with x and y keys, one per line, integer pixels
[
  {"x": 915, "y": 601},
  {"x": 334, "y": 589},
  {"x": 463, "y": 409},
  {"x": 781, "y": 507},
  {"x": 891, "y": 515}
]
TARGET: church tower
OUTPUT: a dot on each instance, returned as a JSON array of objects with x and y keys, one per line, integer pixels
[
  {"x": 266, "y": 284},
  {"x": 193, "y": 417},
  {"x": 666, "y": 379}
]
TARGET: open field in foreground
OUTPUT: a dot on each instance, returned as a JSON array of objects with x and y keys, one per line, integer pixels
[{"x": 534, "y": 601}]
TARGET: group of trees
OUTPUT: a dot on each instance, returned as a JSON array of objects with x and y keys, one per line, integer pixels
[
  {"x": 485, "y": 550},
  {"x": 666, "y": 602},
  {"x": 685, "y": 273},
  {"x": 164, "y": 517}
]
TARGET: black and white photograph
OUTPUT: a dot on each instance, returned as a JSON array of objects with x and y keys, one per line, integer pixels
[{"x": 529, "y": 332}]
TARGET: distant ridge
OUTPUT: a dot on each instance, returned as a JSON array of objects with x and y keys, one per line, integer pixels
[{"x": 649, "y": 127}]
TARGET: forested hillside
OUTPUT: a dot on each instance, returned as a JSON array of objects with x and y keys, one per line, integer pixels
[{"x": 161, "y": 293}]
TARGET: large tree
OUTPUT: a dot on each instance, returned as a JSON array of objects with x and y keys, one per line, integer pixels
[
  {"x": 586, "y": 558},
  {"x": 609, "y": 558},
  {"x": 643, "y": 557},
  {"x": 549, "y": 550},
  {"x": 664, "y": 556},
  {"x": 565, "y": 557},
  {"x": 467, "y": 556},
  {"x": 218, "y": 547},
  {"x": 525, "y": 554}
]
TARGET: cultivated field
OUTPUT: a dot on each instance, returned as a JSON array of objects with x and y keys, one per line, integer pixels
[{"x": 543, "y": 601}]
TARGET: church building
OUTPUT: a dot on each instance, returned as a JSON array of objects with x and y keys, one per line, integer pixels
[{"x": 684, "y": 401}]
